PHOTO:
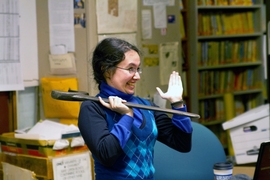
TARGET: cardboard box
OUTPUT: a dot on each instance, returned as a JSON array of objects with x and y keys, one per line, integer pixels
[
  {"x": 12, "y": 172},
  {"x": 247, "y": 170},
  {"x": 247, "y": 132},
  {"x": 40, "y": 148},
  {"x": 40, "y": 165},
  {"x": 45, "y": 167}
]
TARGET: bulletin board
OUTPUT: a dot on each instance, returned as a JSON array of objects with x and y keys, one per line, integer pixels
[
  {"x": 152, "y": 42},
  {"x": 87, "y": 38},
  {"x": 81, "y": 46},
  {"x": 85, "y": 41}
]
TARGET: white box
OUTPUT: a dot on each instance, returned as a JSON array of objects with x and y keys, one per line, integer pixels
[{"x": 247, "y": 132}]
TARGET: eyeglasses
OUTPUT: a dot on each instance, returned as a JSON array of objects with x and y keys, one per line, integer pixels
[{"x": 131, "y": 70}]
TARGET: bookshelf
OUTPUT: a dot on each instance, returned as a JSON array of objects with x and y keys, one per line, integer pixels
[
  {"x": 183, "y": 8},
  {"x": 225, "y": 60}
]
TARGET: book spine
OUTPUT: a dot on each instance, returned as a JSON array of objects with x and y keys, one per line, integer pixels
[
  {"x": 229, "y": 114},
  {"x": 182, "y": 26}
]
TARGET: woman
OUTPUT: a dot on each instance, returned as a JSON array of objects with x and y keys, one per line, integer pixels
[{"x": 122, "y": 139}]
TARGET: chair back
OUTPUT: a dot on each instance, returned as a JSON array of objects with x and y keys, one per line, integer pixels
[{"x": 194, "y": 165}]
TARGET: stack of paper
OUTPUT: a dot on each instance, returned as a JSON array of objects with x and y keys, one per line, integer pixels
[{"x": 48, "y": 130}]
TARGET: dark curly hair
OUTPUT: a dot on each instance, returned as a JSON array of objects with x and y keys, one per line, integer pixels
[{"x": 107, "y": 54}]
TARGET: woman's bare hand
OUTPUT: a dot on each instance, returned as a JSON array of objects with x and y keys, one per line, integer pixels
[
  {"x": 117, "y": 104},
  {"x": 175, "y": 88}
]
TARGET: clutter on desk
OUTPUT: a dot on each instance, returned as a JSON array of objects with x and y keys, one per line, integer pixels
[
  {"x": 247, "y": 132},
  {"x": 54, "y": 108},
  {"x": 45, "y": 138}
]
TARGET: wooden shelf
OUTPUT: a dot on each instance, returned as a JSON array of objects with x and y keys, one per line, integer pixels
[{"x": 200, "y": 104}]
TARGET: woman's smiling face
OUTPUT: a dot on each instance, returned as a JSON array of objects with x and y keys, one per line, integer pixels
[{"x": 122, "y": 79}]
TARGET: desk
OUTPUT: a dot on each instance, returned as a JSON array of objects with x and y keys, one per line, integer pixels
[{"x": 248, "y": 170}]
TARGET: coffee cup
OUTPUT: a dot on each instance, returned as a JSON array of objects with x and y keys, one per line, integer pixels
[{"x": 223, "y": 170}]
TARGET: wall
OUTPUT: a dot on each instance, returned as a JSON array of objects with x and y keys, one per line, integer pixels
[
  {"x": 85, "y": 41},
  {"x": 26, "y": 100}
]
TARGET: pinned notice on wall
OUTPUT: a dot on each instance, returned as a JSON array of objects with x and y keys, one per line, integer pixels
[
  {"x": 61, "y": 23},
  {"x": 152, "y": 2},
  {"x": 160, "y": 17},
  {"x": 62, "y": 63},
  {"x": 146, "y": 24},
  {"x": 159, "y": 14},
  {"x": 10, "y": 62},
  {"x": 168, "y": 60},
  {"x": 116, "y": 16}
]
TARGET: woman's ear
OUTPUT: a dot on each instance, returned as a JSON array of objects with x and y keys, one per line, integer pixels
[{"x": 107, "y": 74}]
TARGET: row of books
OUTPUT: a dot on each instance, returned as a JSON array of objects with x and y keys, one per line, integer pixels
[
  {"x": 212, "y": 110},
  {"x": 184, "y": 82},
  {"x": 226, "y": 52},
  {"x": 224, "y": 81},
  {"x": 219, "y": 23},
  {"x": 224, "y": 2}
]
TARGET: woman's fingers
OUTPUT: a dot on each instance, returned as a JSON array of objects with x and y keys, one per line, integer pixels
[{"x": 115, "y": 103}]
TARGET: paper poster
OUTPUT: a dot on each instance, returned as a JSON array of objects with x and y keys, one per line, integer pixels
[
  {"x": 160, "y": 15},
  {"x": 10, "y": 64},
  {"x": 168, "y": 60},
  {"x": 152, "y": 2},
  {"x": 146, "y": 24},
  {"x": 79, "y": 4},
  {"x": 116, "y": 16},
  {"x": 151, "y": 55},
  {"x": 61, "y": 23},
  {"x": 79, "y": 20},
  {"x": 72, "y": 167},
  {"x": 62, "y": 63},
  {"x": 28, "y": 42}
]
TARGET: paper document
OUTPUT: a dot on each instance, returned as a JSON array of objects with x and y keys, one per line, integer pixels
[
  {"x": 12, "y": 172},
  {"x": 48, "y": 130},
  {"x": 152, "y": 2},
  {"x": 160, "y": 17},
  {"x": 168, "y": 60},
  {"x": 146, "y": 24},
  {"x": 10, "y": 65},
  {"x": 77, "y": 166},
  {"x": 61, "y": 23},
  {"x": 116, "y": 16}
]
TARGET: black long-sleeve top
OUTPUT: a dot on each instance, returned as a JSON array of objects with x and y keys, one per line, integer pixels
[{"x": 106, "y": 146}]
